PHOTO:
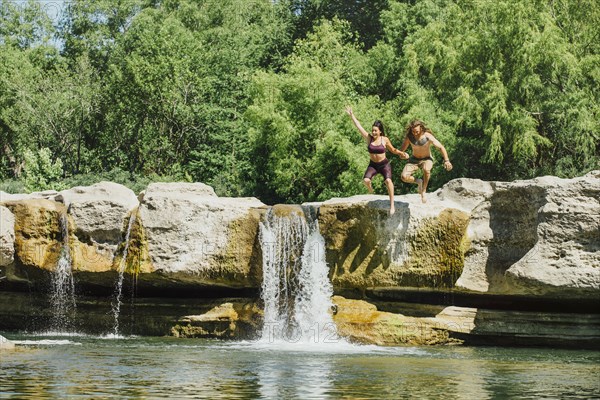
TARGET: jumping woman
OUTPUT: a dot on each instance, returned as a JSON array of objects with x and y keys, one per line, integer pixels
[{"x": 377, "y": 143}]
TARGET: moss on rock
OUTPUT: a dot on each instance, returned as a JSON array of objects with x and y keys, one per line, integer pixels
[
  {"x": 365, "y": 247},
  {"x": 138, "y": 257},
  {"x": 360, "y": 322},
  {"x": 38, "y": 234},
  {"x": 437, "y": 251}
]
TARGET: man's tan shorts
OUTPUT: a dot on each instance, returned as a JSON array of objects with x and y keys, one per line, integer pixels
[{"x": 413, "y": 165}]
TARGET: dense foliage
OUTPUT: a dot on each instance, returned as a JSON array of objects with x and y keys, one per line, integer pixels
[{"x": 248, "y": 95}]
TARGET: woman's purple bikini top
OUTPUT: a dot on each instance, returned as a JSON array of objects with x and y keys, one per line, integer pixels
[{"x": 380, "y": 149}]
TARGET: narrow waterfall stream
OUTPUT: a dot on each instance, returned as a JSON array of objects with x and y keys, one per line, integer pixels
[
  {"x": 296, "y": 290},
  {"x": 62, "y": 295},
  {"x": 116, "y": 304}
]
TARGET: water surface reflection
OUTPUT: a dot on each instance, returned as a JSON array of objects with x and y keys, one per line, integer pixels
[{"x": 177, "y": 368}]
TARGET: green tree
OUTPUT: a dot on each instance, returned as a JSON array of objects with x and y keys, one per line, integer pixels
[
  {"x": 303, "y": 144},
  {"x": 177, "y": 83},
  {"x": 504, "y": 80},
  {"x": 41, "y": 172},
  {"x": 54, "y": 111},
  {"x": 362, "y": 15},
  {"x": 26, "y": 52},
  {"x": 24, "y": 25},
  {"x": 91, "y": 28}
]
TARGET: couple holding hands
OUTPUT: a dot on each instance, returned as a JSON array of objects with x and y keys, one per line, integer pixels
[{"x": 419, "y": 137}]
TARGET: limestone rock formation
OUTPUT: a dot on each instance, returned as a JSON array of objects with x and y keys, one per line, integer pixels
[
  {"x": 420, "y": 245},
  {"x": 38, "y": 233},
  {"x": 535, "y": 237},
  {"x": 99, "y": 216},
  {"x": 533, "y": 240},
  {"x": 191, "y": 235},
  {"x": 521, "y": 327},
  {"x": 233, "y": 320},
  {"x": 7, "y": 236},
  {"x": 360, "y": 322},
  {"x": 538, "y": 237}
]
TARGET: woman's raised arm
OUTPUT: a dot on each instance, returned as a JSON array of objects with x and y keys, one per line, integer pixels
[{"x": 362, "y": 130}]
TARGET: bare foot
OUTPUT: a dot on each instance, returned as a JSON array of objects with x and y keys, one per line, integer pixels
[{"x": 392, "y": 209}]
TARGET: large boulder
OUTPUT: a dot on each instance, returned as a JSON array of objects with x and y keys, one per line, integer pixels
[
  {"x": 536, "y": 237},
  {"x": 232, "y": 320},
  {"x": 420, "y": 245},
  {"x": 192, "y": 236},
  {"x": 99, "y": 215}
]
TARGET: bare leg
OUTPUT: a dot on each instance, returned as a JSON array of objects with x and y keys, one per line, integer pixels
[
  {"x": 367, "y": 183},
  {"x": 419, "y": 183},
  {"x": 408, "y": 178},
  {"x": 390, "y": 187},
  {"x": 407, "y": 173},
  {"x": 426, "y": 176}
]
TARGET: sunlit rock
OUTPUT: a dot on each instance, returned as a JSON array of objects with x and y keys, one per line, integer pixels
[
  {"x": 193, "y": 236},
  {"x": 237, "y": 320},
  {"x": 7, "y": 236},
  {"x": 99, "y": 216},
  {"x": 539, "y": 237},
  {"x": 38, "y": 234},
  {"x": 420, "y": 245},
  {"x": 360, "y": 322}
]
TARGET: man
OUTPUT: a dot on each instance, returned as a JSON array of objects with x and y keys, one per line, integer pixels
[{"x": 420, "y": 139}]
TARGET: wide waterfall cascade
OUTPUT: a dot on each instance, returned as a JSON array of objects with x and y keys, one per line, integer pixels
[
  {"x": 62, "y": 294},
  {"x": 296, "y": 290},
  {"x": 116, "y": 304}
]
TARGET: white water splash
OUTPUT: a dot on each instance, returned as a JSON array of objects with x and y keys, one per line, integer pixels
[
  {"x": 296, "y": 290},
  {"x": 62, "y": 294},
  {"x": 45, "y": 342},
  {"x": 116, "y": 304}
]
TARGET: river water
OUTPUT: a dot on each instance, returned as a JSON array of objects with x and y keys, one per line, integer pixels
[{"x": 149, "y": 367}]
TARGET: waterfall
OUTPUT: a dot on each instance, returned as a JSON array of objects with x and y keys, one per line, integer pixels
[
  {"x": 62, "y": 294},
  {"x": 296, "y": 290},
  {"x": 116, "y": 304}
]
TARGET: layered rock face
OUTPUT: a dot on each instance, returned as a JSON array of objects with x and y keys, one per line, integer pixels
[
  {"x": 539, "y": 237},
  {"x": 193, "y": 236},
  {"x": 176, "y": 234},
  {"x": 421, "y": 245},
  {"x": 533, "y": 239}
]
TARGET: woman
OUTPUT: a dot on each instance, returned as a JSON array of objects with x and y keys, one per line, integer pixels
[
  {"x": 420, "y": 138},
  {"x": 377, "y": 143}
]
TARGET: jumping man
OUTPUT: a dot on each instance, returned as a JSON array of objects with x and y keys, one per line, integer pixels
[{"x": 420, "y": 138}]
